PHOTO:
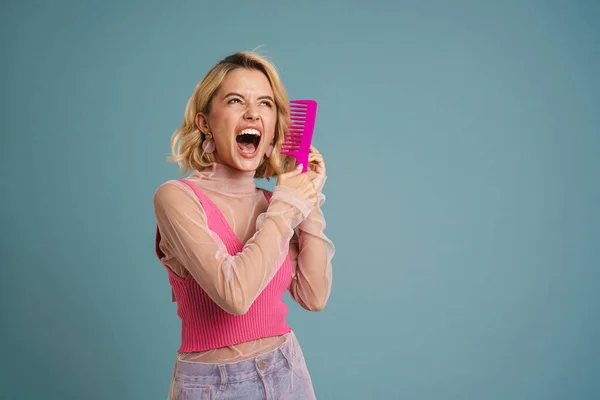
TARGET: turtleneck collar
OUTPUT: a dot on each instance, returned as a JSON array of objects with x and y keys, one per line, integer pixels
[{"x": 224, "y": 179}]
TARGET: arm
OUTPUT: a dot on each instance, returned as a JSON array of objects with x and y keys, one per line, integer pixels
[
  {"x": 311, "y": 255},
  {"x": 233, "y": 282},
  {"x": 313, "y": 251}
]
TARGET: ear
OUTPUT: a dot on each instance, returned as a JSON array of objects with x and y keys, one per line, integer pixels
[{"x": 202, "y": 122}]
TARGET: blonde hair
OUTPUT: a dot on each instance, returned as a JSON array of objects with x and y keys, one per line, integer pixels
[{"x": 186, "y": 142}]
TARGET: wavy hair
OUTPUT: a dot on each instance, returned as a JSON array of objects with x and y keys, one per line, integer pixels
[{"x": 186, "y": 142}]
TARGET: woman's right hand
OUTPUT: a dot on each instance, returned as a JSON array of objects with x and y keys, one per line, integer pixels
[{"x": 300, "y": 182}]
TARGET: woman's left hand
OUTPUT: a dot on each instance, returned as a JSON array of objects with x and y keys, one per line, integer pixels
[{"x": 316, "y": 168}]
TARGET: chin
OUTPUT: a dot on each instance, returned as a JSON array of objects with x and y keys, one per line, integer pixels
[
  {"x": 248, "y": 165},
  {"x": 244, "y": 164}
]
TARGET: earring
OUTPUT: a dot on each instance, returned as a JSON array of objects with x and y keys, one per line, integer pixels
[
  {"x": 269, "y": 151},
  {"x": 208, "y": 144}
]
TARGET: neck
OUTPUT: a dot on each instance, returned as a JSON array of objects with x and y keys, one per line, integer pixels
[{"x": 225, "y": 179}]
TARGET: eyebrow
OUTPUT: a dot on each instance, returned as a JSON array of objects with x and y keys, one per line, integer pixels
[{"x": 239, "y": 95}]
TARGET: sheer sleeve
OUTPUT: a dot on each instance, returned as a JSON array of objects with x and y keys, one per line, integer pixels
[
  {"x": 312, "y": 252},
  {"x": 233, "y": 282}
]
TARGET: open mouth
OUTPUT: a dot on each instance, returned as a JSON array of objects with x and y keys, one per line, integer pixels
[{"x": 248, "y": 140}]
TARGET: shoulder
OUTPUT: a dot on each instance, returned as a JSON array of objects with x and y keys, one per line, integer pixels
[{"x": 172, "y": 192}]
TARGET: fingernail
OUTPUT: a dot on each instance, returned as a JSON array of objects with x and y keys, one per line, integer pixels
[{"x": 299, "y": 166}]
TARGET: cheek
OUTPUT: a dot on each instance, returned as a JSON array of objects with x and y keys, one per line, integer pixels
[
  {"x": 270, "y": 125},
  {"x": 220, "y": 123},
  {"x": 270, "y": 133}
]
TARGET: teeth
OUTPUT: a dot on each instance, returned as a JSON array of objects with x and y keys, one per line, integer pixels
[{"x": 249, "y": 132}]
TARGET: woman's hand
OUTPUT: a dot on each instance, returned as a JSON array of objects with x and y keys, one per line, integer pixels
[
  {"x": 299, "y": 182},
  {"x": 316, "y": 168}
]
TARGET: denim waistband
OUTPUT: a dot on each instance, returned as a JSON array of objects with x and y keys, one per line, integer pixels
[{"x": 221, "y": 374}]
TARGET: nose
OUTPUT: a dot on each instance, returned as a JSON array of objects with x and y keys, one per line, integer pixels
[{"x": 251, "y": 113}]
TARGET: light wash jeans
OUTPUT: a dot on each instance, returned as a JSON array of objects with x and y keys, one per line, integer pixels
[{"x": 279, "y": 374}]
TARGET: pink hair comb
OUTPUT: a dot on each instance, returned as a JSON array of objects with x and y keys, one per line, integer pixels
[{"x": 297, "y": 139}]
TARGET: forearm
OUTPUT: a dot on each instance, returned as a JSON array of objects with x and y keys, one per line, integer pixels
[
  {"x": 311, "y": 286},
  {"x": 232, "y": 281}
]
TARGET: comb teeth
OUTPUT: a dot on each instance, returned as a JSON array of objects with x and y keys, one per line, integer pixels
[
  {"x": 298, "y": 138},
  {"x": 298, "y": 113}
]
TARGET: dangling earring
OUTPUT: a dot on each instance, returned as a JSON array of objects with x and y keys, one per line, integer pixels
[
  {"x": 208, "y": 144},
  {"x": 269, "y": 151}
]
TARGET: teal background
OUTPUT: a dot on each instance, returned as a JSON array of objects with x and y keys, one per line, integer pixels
[{"x": 461, "y": 142}]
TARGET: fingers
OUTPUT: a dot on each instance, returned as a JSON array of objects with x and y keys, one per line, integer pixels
[
  {"x": 308, "y": 186},
  {"x": 316, "y": 163},
  {"x": 316, "y": 158},
  {"x": 314, "y": 155},
  {"x": 292, "y": 173}
]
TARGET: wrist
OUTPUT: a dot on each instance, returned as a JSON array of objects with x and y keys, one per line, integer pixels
[
  {"x": 319, "y": 186},
  {"x": 293, "y": 198}
]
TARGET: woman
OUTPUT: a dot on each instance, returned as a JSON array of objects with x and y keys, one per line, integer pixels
[{"x": 232, "y": 250}]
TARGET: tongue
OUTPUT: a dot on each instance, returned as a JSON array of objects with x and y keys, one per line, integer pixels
[{"x": 247, "y": 148}]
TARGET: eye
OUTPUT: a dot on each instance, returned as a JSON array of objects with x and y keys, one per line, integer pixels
[
  {"x": 234, "y": 100},
  {"x": 267, "y": 103}
]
